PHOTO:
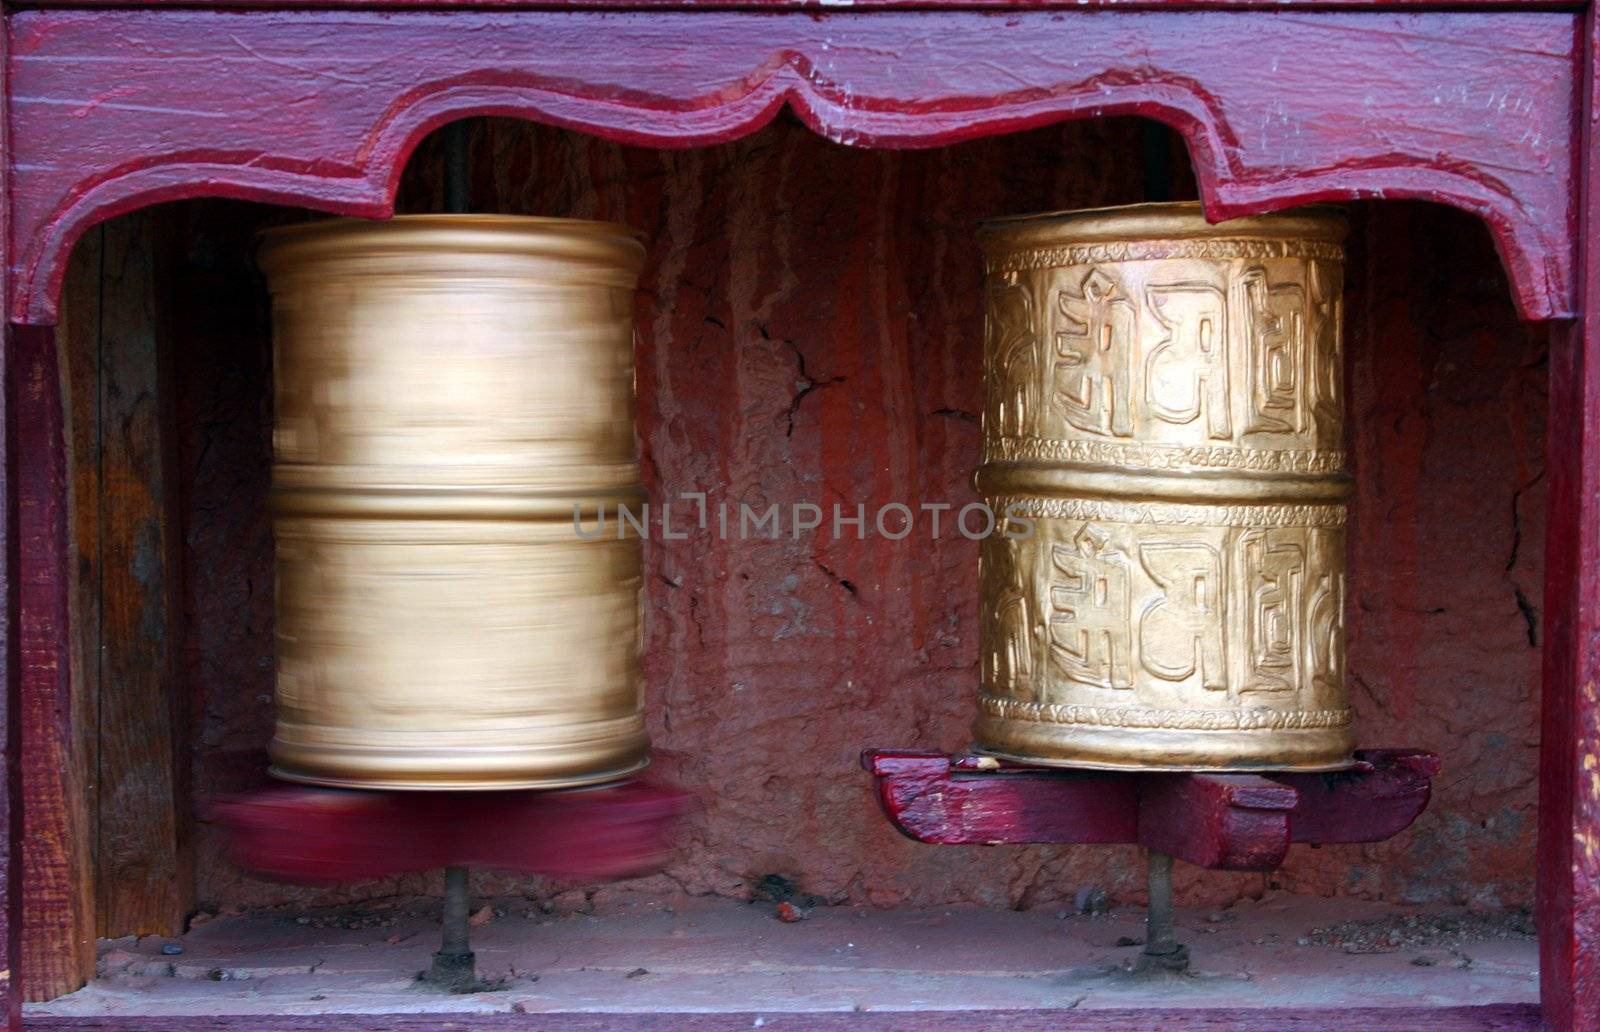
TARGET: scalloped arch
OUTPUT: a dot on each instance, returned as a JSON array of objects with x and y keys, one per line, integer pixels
[{"x": 322, "y": 109}]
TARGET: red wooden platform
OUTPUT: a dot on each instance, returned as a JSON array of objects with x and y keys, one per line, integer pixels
[
  {"x": 324, "y": 835},
  {"x": 1501, "y": 1018},
  {"x": 1235, "y": 822}
]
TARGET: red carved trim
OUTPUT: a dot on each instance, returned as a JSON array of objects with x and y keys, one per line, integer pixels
[{"x": 1469, "y": 109}]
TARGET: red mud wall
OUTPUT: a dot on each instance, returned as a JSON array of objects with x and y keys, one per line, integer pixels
[{"x": 809, "y": 331}]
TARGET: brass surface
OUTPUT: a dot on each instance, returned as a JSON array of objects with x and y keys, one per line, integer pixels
[
  {"x": 1164, "y": 399},
  {"x": 448, "y": 388}
]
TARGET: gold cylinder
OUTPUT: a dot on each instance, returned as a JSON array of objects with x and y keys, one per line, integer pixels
[
  {"x": 1164, "y": 416},
  {"x": 452, "y": 391}
]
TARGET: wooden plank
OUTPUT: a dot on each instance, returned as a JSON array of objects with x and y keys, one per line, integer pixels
[
  {"x": 823, "y": 5},
  {"x": 59, "y": 928},
  {"x": 78, "y": 339},
  {"x": 11, "y": 370},
  {"x": 1497, "y": 1017},
  {"x": 1366, "y": 103},
  {"x": 926, "y": 797},
  {"x": 1367, "y": 806},
  {"x": 54, "y": 927},
  {"x": 1224, "y": 821},
  {"x": 1568, "y": 890},
  {"x": 318, "y": 835},
  {"x": 144, "y": 883}
]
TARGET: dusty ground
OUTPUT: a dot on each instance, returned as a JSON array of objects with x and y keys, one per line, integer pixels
[{"x": 714, "y": 955}]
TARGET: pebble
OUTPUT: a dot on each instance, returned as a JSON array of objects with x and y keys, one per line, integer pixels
[
  {"x": 171, "y": 949},
  {"x": 1091, "y": 899},
  {"x": 482, "y": 916},
  {"x": 788, "y": 913}
]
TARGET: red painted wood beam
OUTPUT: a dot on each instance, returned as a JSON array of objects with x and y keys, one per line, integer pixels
[
  {"x": 1498, "y": 1017},
  {"x": 775, "y": 6},
  {"x": 1568, "y": 888},
  {"x": 1241, "y": 822},
  {"x": 319, "y": 835},
  {"x": 1468, "y": 108}
]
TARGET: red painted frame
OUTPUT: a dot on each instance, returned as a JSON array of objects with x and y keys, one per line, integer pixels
[{"x": 1488, "y": 105}]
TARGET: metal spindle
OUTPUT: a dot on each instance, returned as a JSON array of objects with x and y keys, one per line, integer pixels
[{"x": 1162, "y": 953}]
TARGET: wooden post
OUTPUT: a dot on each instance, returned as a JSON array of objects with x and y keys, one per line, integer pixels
[
  {"x": 105, "y": 758},
  {"x": 58, "y": 713},
  {"x": 1569, "y": 762},
  {"x": 144, "y": 880},
  {"x": 57, "y": 931}
]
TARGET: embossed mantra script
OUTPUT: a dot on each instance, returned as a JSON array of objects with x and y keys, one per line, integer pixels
[{"x": 1164, "y": 398}]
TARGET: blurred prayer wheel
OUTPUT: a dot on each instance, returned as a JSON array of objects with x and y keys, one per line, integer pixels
[
  {"x": 1163, "y": 400},
  {"x": 451, "y": 392}
]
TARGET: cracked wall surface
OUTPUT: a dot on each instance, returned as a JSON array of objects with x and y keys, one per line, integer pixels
[{"x": 808, "y": 328}]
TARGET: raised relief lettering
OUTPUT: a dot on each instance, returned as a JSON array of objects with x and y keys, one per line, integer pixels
[
  {"x": 1274, "y": 315},
  {"x": 1326, "y": 361},
  {"x": 1324, "y": 644},
  {"x": 1089, "y": 604},
  {"x": 1274, "y": 565},
  {"x": 1186, "y": 373},
  {"x": 1178, "y": 637},
  {"x": 1011, "y": 378},
  {"x": 1094, "y": 356},
  {"x": 1007, "y": 657}
]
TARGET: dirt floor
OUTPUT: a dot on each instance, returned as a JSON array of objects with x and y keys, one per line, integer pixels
[{"x": 722, "y": 955}]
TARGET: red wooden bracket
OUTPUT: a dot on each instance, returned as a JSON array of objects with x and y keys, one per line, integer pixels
[
  {"x": 1238, "y": 822},
  {"x": 322, "y": 835}
]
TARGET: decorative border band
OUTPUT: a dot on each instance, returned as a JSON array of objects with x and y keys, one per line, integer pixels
[
  {"x": 1149, "y": 250},
  {"x": 1143, "y": 456},
  {"x": 1168, "y": 513},
  {"x": 1164, "y": 719}
]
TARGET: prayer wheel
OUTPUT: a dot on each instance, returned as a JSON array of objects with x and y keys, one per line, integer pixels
[
  {"x": 1164, "y": 419},
  {"x": 453, "y": 393}
]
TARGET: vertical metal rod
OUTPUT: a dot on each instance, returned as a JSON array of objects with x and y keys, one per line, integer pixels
[
  {"x": 457, "y": 180},
  {"x": 457, "y": 904},
  {"x": 1158, "y": 915},
  {"x": 454, "y": 964},
  {"x": 1162, "y": 953}
]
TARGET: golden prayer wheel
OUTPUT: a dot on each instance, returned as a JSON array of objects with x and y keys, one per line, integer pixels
[
  {"x": 453, "y": 392},
  {"x": 1164, "y": 415}
]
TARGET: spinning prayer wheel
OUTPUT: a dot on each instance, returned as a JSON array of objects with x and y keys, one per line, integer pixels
[
  {"x": 453, "y": 393},
  {"x": 1164, "y": 416}
]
